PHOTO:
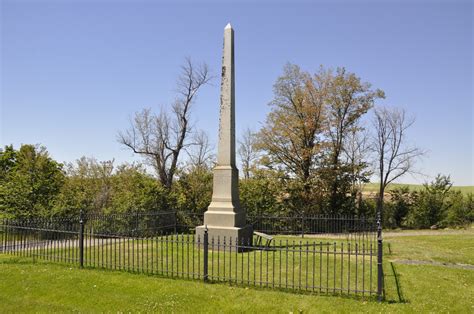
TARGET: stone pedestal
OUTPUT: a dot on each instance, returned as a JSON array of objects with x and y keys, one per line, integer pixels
[
  {"x": 224, "y": 217},
  {"x": 229, "y": 236}
]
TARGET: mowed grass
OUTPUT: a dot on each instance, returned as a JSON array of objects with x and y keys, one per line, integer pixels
[
  {"x": 48, "y": 287},
  {"x": 374, "y": 187},
  {"x": 455, "y": 249}
]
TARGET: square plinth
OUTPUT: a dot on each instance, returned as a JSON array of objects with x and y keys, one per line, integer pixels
[{"x": 227, "y": 236}]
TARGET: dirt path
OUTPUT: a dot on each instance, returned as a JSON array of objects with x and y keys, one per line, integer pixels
[
  {"x": 387, "y": 234},
  {"x": 410, "y": 233},
  {"x": 417, "y": 262}
]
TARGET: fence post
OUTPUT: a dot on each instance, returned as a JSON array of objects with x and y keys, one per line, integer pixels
[
  {"x": 206, "y": 254},
  {"x": 5, "y": 234},
  {"x": 137, "y": 222},
  {"x": 379, "y": 259},
  {"x": 175, "y": 221},
  {"x": 302, "y": 226},
  {"x": 81, "y": 239}
]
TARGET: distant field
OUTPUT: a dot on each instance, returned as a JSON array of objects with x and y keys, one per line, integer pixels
[{"x": 373, "y": 187}]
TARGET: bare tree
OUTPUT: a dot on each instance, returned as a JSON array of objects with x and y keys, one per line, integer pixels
[
  {"x": 394, "y": 158},
  {"x": 160, "y": 138},
  {"x": 247, "y": 151},
  {"x": 356, "y": 154},
  {"x": 200, "y": 151}
]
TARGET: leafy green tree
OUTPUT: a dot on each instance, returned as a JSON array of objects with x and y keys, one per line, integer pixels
[
  {"x": 7, "y": 161},
  {"x": 136, "y": 191},
  {"x": 292, "y": 140},
  {"x": 88, "y": 187},
  {"x": 262, "y": 194},
  {"x": 193, "y": 190},
  {"x": 347, "y": 100},
  {"x": 366, "y": 207},
  {"x": 460, "y": 212},
  {"x": 291, "y": 136},
  {"x": 30, "y": 180},
  {"x": 431, "y": 204},
  {"x": 99, "y": 187},
  {"x": 306, "y": 134},
  {"x": 401, "y": 201}
]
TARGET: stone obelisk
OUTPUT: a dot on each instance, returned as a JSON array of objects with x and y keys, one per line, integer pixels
[{"x": 225, "y": 217}]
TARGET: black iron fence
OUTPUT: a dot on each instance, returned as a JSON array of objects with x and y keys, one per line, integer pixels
[
  {"x": 180, "y": 221},
  {"x": 340, "y": 255}
]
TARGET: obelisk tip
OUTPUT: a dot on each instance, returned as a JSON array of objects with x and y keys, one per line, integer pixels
[{"x": 228, "y": 26}]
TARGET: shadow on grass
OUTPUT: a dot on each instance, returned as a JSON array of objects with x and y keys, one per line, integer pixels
[{"x": 395, "y": 276}]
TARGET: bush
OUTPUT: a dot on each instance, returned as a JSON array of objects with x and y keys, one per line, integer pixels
[
  {"x": 438, "y": 206},
  {"x": 261, "y": 194},
  {"x": 101, "y": 188},
  {"x": 396, "y": 210},
  {"x": 461, "y": 210},
  {"x": 193, "y": 190}
]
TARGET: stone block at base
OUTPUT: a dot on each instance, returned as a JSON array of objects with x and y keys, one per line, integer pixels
[{"x": 242, "y": 234}]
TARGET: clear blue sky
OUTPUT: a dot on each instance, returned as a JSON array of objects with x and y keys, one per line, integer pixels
[{"x": 73, "y": 72}]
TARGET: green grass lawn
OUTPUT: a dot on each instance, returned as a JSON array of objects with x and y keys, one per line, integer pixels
[
  {"x": 48, "y": 287},
  {"x": 445, "y": 249},
  {"x": 373, "y": 187}
]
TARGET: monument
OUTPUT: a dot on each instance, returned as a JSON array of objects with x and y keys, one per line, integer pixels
[{"x": 225, "y": 217}]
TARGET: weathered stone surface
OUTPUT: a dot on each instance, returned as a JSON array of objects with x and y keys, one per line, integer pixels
[{"x": 225, "y": 217}]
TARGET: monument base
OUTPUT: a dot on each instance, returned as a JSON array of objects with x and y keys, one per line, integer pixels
[{"x": 244, "y": 236}]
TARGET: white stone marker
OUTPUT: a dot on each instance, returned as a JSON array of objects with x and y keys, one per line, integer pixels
[{"x": 224, "y": 217}]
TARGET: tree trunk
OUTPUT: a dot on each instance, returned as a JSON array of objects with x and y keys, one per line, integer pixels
[{"x": 380, "y": 200}]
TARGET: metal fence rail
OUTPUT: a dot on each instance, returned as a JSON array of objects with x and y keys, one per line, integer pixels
[
  {"x": 181, "y": 221},
  {"x": 329, "y": 264}
]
